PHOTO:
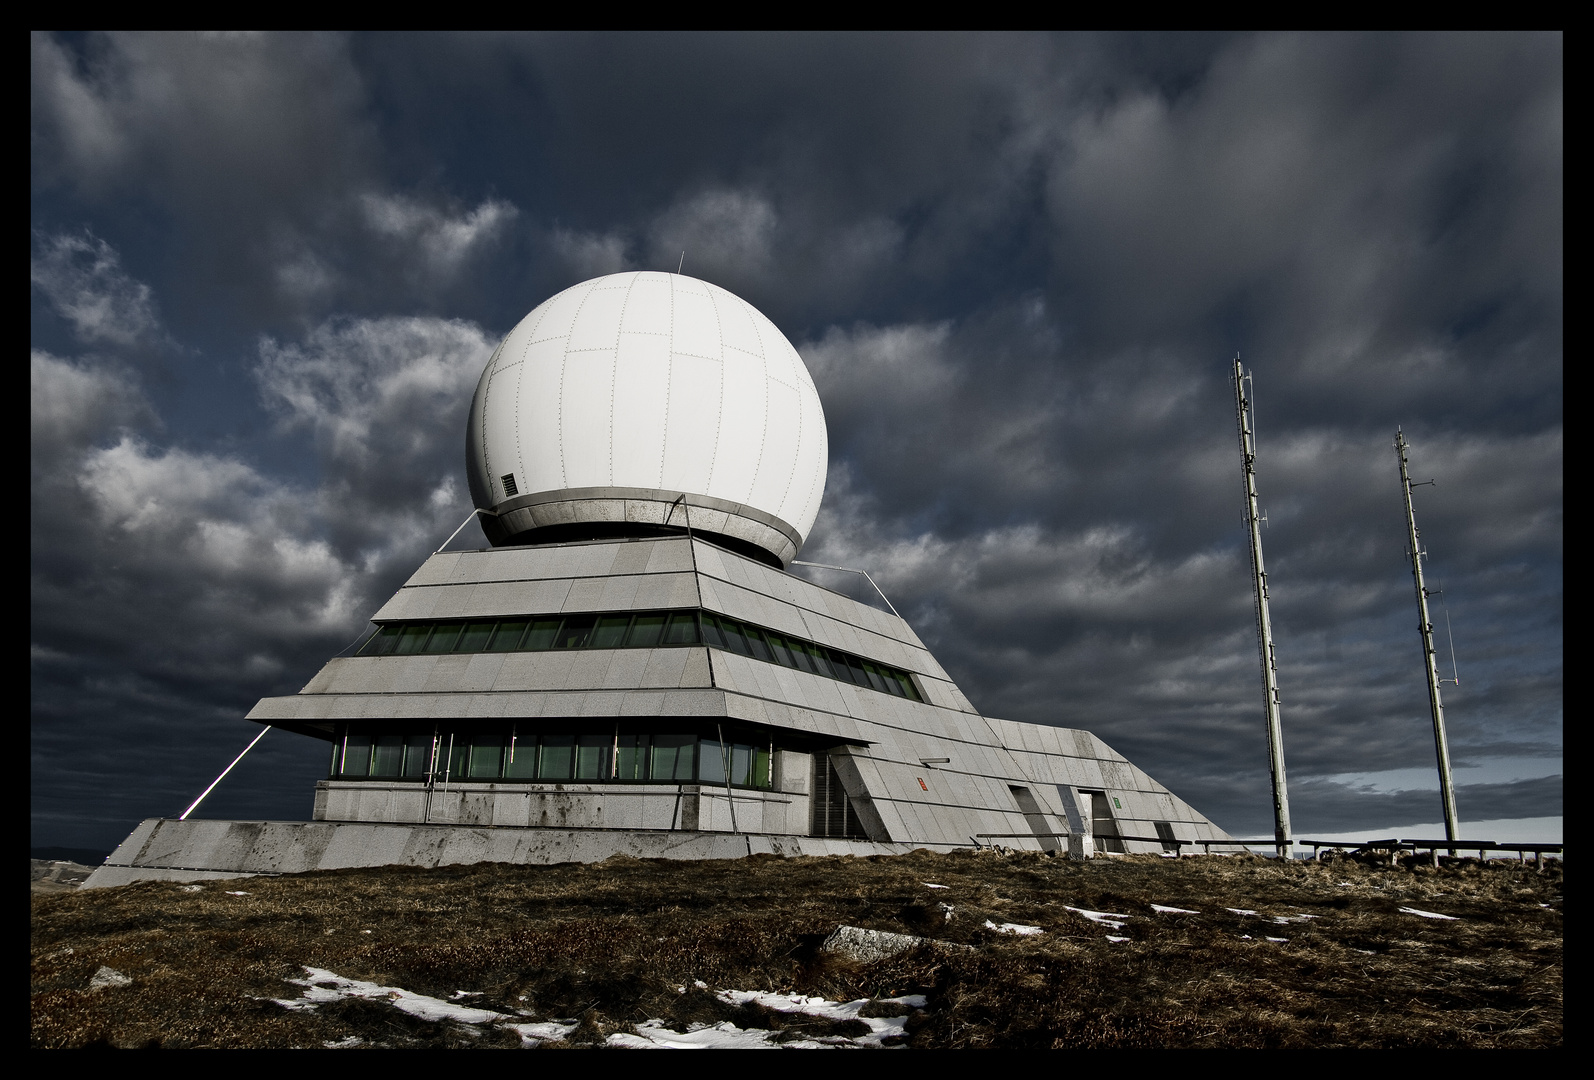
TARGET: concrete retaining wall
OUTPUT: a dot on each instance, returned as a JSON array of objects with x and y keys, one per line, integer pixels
[{"x": 163, "y": 849}]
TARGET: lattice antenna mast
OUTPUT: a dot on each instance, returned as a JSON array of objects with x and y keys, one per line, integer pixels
[
  {"x": 1264, "y": 623},
  {"x": 1447, "y": 789}
]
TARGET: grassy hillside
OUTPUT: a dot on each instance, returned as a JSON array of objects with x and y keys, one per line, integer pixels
[{"x": 626, "y": 950}]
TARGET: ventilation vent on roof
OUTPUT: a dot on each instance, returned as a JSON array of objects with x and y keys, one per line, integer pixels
[{"x": 510, "y": 490}]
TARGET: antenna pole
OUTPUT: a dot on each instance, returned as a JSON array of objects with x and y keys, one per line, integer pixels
[
  {"x": 1264, "y": 624},
  {"x": 1447, "y": 789}
]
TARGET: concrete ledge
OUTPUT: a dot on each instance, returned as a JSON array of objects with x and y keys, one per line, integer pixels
[{"x": 163, "y": 849}]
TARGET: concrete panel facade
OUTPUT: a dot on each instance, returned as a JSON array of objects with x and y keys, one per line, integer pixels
[{"x": 931, "y": 773}]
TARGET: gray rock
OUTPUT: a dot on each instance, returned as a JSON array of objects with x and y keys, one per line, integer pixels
[{"x": 108, "y": 977}]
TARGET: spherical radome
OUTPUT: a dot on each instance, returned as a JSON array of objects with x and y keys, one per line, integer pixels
[{"x": 620, "y": 395}]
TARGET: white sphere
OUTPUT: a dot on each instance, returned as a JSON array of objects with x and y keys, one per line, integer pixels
[{"x": 619, "y": 395}]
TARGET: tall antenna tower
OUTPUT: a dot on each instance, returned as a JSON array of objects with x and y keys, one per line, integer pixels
[
  {"x": 1264, "y": 623},
  {"x": 1447, "y": 789}
]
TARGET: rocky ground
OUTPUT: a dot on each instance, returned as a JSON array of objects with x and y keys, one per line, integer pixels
[{"x": 955, "y": 950}]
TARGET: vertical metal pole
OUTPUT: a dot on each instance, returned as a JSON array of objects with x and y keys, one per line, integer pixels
[
  {"x": 1447, "y": 790},
  {"x": 1264, "y": 623}
]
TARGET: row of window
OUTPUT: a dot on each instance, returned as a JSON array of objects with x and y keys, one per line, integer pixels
[
  {"x": 612, "y": 757},
  {"x": 638, "y": 630}
]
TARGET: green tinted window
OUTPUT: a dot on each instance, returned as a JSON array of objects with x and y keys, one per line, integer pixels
[
  {"x": 474, "y": 638},
  {"x": 631, "y": 757},
  {"x": 735, "y": 639},
  {"x": 387, "y": 756},
  {"x": 417, "y": 750},
  {"x": 712, "y": 632},
  {"x": 646, "y": 630},
  {"x": 592, "y": 757},
  {"x": 777, "y": 645},
  {"x": 682, "y": 629},
  {"x": 673, "y": 757},
  {"x": 413, "y": 638},
  {"x": 520, "y": 760},
  {"x": 756, "y": 645},
  {"x": 576, "y": 630},
  {"x": 761, "y": 777},
  {"x": 711, "y": 761},
  {"x": 541, "y": 635},
  {"x": 557, "y": 756},
  {"x": 507, "y": 637},
  {"x": 444, "y": 635},
  {"x": 820, "y": 659},
  {"x": 458, "y": 758},
  {"x": 384, "y": 641},
  {"x": 742, "y": 765},
  {"x": 486, "y": 756},
  {"x": 609, "y": 633},
  {"x": 357, "y": 755}
]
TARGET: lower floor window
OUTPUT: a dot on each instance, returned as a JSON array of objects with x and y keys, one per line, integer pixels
[{"x": 741, "y": 759}]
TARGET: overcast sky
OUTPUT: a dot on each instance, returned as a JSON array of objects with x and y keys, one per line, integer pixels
[{"x": 268, "y": 271}]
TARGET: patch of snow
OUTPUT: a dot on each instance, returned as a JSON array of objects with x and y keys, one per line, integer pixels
[
  {"x": 534, "y": 1035},
  {"x": 1016, "y": 928},
  {"x": 657, "y": 1035},
  {"x": 1115, "y": 939},
  {"x": 654, "y": 1035},
  {"x": 231, "y": 893},
  {"x": 192, "y": 888},
  {"x": 1106, "y": 918},
  {"x": 880, "y": 1027},
  {"x": 457, "y": 994},
  {"x": 108, "y": 978},
  {"x": 933, "y": 885},
  {"x": 1429, "y": 914},
  {"x": 365, "y": 931},
  {"x": 1280, "y": 939},
  {"x": 348, "y": 1043},
  {"x": 947, "y": 910},
  {"x": 1163, "y": 909},
  {"x": 317, "y": 991}
]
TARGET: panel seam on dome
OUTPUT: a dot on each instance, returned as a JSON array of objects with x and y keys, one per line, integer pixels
[
  {"x": 564, "y": 362},
  {"x": 669, "y": 382},
  {"x": 719, "y": 424},
  {"x": 796, "y": 450},
  {"x": 487, "y": 392},
  {"x": 819, "y": 474},
  {"x": 614, "y": 368},
  {"x": 520, "y": 453},
  {"x": 763, "y": 442}
]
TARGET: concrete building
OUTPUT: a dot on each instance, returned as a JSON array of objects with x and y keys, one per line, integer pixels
[{"x": 630, "y": 667}]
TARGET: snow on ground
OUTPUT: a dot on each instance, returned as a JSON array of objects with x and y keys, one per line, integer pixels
[
  {"x": 322, "y": 986},
  {"x": 1163, "y": 909},
  {"x": 1012, "y": 928},
  {"x": 1240, "y": 910},
  {"x": 1428, "y": 914},
  {"x": 1106, "y": 918},
  {"x": 933, "y": 885},
  {"x": 656, "y": 1035}
]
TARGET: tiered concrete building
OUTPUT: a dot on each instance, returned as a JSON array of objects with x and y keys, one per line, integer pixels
[{"x": 630, "y": 668}]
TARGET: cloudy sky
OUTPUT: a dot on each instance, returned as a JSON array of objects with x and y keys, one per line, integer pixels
[{"x": 267, "y": 273}]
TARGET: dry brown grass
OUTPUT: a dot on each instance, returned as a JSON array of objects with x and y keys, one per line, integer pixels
[{"x": 611, "y": 945}]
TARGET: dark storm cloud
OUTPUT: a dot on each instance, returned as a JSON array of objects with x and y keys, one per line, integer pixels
[{"x": 1017, "y": 266}]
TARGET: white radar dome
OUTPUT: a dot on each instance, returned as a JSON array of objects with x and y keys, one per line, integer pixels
[{"x": 643, "y": 403}]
